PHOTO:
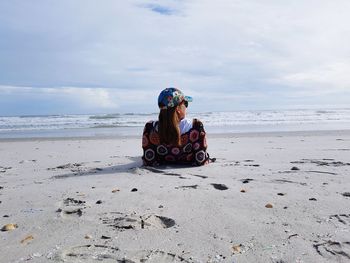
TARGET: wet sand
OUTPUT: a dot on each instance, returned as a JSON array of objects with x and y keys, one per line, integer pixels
[{"x": 269, "y": 197}]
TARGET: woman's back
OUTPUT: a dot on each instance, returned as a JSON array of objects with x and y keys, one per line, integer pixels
[
  {"x": 173, "y": 138},
  {"x": 191, "y": 151}
]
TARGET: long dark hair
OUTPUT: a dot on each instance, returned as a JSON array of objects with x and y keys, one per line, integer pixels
[{"x": 168, "y": 127}]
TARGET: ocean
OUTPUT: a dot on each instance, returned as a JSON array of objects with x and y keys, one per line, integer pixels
[{"x": 131, "y": 124}]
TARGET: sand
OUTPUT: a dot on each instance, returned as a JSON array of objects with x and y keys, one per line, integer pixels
[{"x": 269, "y": 197}]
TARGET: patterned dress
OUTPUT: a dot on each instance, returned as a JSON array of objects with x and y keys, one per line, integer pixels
[{"x": 193, "y": 149}]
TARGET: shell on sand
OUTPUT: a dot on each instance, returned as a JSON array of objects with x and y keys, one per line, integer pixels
[
  {"x": 26, "y": 239},
  {"x": 236, "y": 249},
  {"x": 9, "y": 227},
  {"x": 268, "y": 205}
]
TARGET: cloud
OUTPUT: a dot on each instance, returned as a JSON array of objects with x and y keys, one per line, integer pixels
[
  {"x": 323, "y": 79},
  {"x": 85, "y": 97},
  {"x": 253, "y": 52},
  {"x": 74, "y": 99},
  {"x": 59, "y": 100}
]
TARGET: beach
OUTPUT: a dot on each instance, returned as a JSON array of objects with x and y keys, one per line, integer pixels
[{"x": 268, "y": 197}]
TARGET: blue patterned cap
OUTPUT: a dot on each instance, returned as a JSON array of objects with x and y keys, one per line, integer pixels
[{"x": 171, "y": 97}]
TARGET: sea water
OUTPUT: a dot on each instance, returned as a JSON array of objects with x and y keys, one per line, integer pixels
[{"x": 118, "y": 124}]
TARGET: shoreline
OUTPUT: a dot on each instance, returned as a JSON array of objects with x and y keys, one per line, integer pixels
[{"x": 339, "y": 132}]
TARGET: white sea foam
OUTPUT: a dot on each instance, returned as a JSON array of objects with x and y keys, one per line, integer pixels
[{"x": 132, "y": 123}]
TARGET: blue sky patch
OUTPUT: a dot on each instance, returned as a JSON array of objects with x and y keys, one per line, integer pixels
[{"x": 163, "y": 10}]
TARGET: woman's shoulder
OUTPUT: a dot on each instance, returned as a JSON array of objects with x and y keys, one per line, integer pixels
[
  {"x": 197, "y": 124},
  {"x": 151, "y": 125}
]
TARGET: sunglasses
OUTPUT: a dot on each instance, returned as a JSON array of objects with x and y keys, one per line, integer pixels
[{"x": 185, "y": 103}]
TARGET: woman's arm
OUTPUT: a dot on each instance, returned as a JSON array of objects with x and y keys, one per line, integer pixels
[
  {"x": 149, "y": 156},
  {"x": 199, "y": 143}
]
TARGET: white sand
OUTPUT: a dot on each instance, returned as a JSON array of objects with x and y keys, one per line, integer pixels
[{"x": 176, "y": 214}]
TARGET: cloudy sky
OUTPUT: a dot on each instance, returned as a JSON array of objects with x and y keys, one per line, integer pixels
[{"x": 93, "y": 56}]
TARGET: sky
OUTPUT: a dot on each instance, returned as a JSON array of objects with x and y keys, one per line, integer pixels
[{"x": 111, "y": 56}]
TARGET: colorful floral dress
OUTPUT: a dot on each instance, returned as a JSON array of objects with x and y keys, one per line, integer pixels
[{"x": 193, "y": 149}]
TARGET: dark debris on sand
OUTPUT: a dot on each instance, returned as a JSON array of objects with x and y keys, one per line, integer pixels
[
  {"x": 66, "y": 166},
  {"x": 70, "y": 200},
  {"x": 246, "y": 181},
  {"x": 187, "y": 186},
  {"x": 322, "y": 162},
  {"x": 220, "y": 187}
]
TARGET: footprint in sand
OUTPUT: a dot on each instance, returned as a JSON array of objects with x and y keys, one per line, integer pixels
[
  {"x": 103, "y": 253},
  {"x": 340, "y": 219},
  {"x": 71, "y": 207},
  {"x": 334, "y": 251},
  {"x": 155, "y": 256},
  {"x": 4, "y": 169},
  {"x": 90, "y": 253},
  {"x": 121, "y": 221}
]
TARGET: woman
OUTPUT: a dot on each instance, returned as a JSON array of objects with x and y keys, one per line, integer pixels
[{"x": 173, "y": 138}]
